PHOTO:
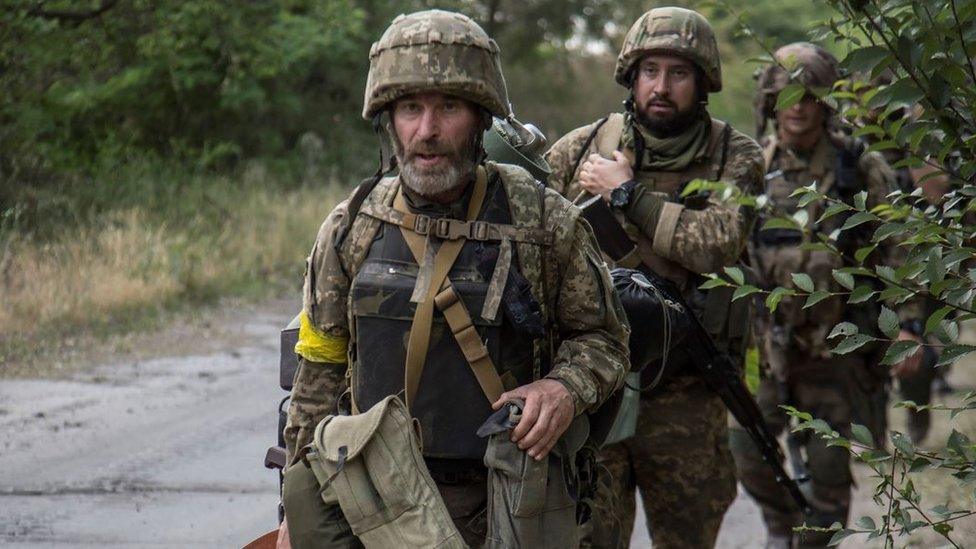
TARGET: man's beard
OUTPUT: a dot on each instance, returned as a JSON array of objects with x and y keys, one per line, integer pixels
[
  {"x": 671, "y": 125},
  {"x": 436, "y": 180}
]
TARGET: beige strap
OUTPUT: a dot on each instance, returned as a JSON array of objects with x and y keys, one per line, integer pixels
[
  {"x": 474, "y": 350},
  {"x": 666, "y": 225},
  {"x": 608, "y": 137},
  {"x": 769, "y": 152},
  {"x": 496, "y": 287},
  {"x": 419, "y": 339},
  {"x": 455, "y": 229}
]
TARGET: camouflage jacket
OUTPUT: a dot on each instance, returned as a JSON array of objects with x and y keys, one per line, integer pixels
[
  {"x": 703, "y": 239},
  {"x": 588, "y": 327},
  {"x": 777, "y": 254}
]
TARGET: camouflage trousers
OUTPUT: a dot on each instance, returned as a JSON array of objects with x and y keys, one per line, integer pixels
[
  {"x": 681, "y": 462},
  {"x": 313, "y": 524},
  {"x": 839, "y": 390}
]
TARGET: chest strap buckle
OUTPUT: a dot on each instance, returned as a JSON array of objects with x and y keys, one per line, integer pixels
[{"x": 422, "y": 224}]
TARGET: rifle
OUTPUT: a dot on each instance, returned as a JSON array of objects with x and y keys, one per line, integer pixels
[{"x": 714, "y": 367}]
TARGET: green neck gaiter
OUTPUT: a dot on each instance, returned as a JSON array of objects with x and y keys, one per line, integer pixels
[{"x": 668, "y": 154}]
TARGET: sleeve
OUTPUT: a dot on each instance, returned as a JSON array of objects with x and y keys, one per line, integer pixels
[
  {"x": 322, "y": 340},
  {"x": 705, "y": 240},
  {"x": 562, "y": 160},
  {"x": 592, "y": 358},
  {"x": 881, "y": 180}
]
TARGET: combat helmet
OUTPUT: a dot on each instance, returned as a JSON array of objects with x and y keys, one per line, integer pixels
[
  {"x": 676, "y": 31},
  {"x": 807, "y": 64},
  {"x": 511, "y": 142},
  {"x": 435, "y": 50}
]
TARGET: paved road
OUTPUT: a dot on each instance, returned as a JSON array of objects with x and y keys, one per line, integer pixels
[
  {"x": 165, "y": 452},
  {"x": 161, "y": 453}
]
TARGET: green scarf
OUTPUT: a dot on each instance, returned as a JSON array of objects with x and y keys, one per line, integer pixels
[{"x": 669, "y": 154}]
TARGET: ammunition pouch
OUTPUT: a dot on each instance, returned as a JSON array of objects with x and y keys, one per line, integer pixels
[
  {"x": 532, "y": 503},
  {"x": 371, "y": 464}
]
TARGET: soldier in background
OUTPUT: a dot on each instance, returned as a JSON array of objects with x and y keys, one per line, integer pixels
[
  {"x": 800, "y": 370},
  {"x": 639, "y": 161},
  {"x": 500, "y": 279}
]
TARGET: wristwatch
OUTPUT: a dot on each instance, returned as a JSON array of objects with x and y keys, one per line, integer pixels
[{"x": 620, "y": 196}]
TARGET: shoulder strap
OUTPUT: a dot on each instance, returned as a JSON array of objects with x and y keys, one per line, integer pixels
[
  {"x": 769, "y": 151},
  {"x": 724, "y": 155},
  {"x": 608, "y": 139},
  {"x": 355, "y": 203},
  {"x": 612, "y": 120}
]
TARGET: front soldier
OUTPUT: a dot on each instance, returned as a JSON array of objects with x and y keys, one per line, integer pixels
[
  {"x": 804, "y": 151},
  {"x": 639, "y": 162},
  {"x": 459, "y": 286}
]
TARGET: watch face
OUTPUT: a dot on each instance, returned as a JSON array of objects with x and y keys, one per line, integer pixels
[{"x": 618, "y": 196}]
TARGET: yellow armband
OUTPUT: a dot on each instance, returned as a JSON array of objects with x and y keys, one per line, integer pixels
[{"x": 317, "y": 346}]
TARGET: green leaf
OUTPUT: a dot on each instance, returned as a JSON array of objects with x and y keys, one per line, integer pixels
[
  {"x": 777, "y": 295},
  {"x": 866, "y": 59},
  {"x": 833, "y": 210},
  {"x": 861, "y": 200},
  {"x": 943, "y": 528},
  {"x": 852, "y": 343},
  {"x": 899, "y": 351},
  {"x": 862, "y": 434},
  {"x": 843, "y": 329},
  {"x": 816, "y": 297},
  {"x": 934, "y": 267},
  {"x": 713, "y": 283},
  {"x": 867, "y": 523},
  {"x": 743, "y": 291},
  {"x": 935, "y": 319},
  {"x": 888, "y": 323},
  {"x": 861, "y": 294},
  {"x": 857, "y": 219},
  {"x": 903, "y": 445},
  {"x": 844, "y": 279},
  {"x": 839, "y": 536},
  {"x": 803, "y": 282},
  {"x": 862, "y": 253},
  {"x": 779, "y": 223},
  {"x": 789, "y": 96},
  {"x": 887, "y": 230},
  {"x": 736, "y": 275},
  {"x": 952, "y": 353}
]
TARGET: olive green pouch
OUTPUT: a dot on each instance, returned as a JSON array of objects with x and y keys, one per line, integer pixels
[
  {"x": 371, "y": 463},
  {"x": 530, "y": 503}
]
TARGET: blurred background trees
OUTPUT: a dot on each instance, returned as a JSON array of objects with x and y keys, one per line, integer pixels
[{"x": 90, "y": 87}]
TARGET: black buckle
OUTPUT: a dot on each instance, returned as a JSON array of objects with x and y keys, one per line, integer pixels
[{"x": 422, "y": 224}]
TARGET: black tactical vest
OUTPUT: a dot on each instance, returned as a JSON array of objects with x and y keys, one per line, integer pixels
[{"x": 449, "y": 404}]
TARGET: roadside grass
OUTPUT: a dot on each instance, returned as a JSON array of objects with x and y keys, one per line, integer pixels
[{"x": 129, "y": 267}]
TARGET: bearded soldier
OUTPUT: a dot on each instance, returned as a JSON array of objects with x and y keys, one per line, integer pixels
[
  {"x": 806, "y": 150},
  {"x": 458, "y": 286},
  {"x": 640, "y": 161}
]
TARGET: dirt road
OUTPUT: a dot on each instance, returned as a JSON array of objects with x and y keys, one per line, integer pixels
[{"x": 162, "y": 445}]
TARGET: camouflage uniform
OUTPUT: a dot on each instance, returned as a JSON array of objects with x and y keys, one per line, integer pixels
[
  {"x": 802, "y": 372},
  {"x": 586, "y": 333},
  {"x": 679, "y": 457}
]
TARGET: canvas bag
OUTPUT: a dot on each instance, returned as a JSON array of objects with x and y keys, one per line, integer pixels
[{"x": 371, "y": 463}]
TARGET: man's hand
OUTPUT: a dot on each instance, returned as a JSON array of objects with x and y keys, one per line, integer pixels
[
  {"x": 283, "y": 540},
  {"x": 911, "y": 365},
  {"x": 548, "y": 411},
  {"x": 600, "y": 176}
]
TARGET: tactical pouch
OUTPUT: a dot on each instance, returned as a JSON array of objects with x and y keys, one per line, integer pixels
[
  {"x": 372, "y": 465},
  {"x": 728, "y": 321},
  {"x": 530, "y": 503}
]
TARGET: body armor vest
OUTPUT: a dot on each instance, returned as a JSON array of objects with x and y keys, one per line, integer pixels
[
  {"x": 449, "y": 404},
  {"x": 778, "y": 254}
]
